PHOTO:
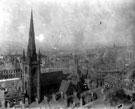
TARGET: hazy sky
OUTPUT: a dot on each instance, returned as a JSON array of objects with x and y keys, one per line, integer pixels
[{"x": 66, "y": 24}]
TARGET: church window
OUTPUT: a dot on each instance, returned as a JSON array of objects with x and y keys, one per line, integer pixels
[
  {"x": 25, "y": 85},
  {"x": 25, "y": 70}
]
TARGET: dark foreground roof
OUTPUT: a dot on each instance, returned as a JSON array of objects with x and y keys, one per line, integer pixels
[
  {"x": 50, "y": 82},
  {"x": 52, "y": 77}
]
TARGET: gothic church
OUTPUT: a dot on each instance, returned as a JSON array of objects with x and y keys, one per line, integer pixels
[
  {"x": 31, "y": 67},
  {"x": 36, "y": 84}
]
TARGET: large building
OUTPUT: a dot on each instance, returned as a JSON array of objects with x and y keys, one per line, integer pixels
[{"x": 35, "y": 82}]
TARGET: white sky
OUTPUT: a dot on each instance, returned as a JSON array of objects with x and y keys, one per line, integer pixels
[{"x": 54, "y": 16}]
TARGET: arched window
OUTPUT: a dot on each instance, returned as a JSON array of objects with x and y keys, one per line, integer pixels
[{"x": 25, "y": 85}]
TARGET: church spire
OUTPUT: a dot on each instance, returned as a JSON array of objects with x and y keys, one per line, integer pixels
[
  {"x": 31, "y": 50},
  {"x": 39, "y": 55},
  {"x": 23, "y": 55}
]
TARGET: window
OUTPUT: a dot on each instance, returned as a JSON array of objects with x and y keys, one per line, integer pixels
[
  {"x": 25, "y": 85},
  {"x": 25, "y": 70}
]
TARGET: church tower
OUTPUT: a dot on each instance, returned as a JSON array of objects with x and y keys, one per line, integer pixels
[{"x": 31, "y": 67}]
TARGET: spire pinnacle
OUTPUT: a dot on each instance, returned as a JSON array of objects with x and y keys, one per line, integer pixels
[
  {"x": 39, "y": 55},
  {"x": 31, "y": 50},
  {"x": 23, "y": 55},
  {"x": 39, "y": 52}
]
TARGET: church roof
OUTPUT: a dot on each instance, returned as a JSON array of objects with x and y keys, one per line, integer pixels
[{"x": 52, "y": 77}]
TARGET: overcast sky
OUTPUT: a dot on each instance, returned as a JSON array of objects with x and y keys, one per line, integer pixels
[{"x": 67, "y": 24}]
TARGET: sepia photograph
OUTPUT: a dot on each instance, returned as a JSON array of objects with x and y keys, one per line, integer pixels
[{"x": 67, "y": 54}]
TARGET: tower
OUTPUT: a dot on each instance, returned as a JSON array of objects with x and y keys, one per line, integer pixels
[{"x": 31, "y": 67}]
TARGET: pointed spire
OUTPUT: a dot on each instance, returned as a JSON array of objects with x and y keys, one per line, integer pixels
[
  {"x": 31, "y": 50},
  {"x": 39, "y": 54},
  {"x": 31, "y": 31},
  {"x": 39, "y": 51},
  {"x": 23, "y": 55}
]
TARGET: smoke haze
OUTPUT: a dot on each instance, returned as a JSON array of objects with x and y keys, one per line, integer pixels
[{"x": 67, "y": 24}]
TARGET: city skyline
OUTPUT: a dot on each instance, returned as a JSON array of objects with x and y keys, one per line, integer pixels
[{"x": 39, "y": 79}]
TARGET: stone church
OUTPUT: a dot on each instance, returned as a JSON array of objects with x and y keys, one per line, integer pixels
[
  {"x": 31, "y": 67},
  {"x": 36, "y": 84}
]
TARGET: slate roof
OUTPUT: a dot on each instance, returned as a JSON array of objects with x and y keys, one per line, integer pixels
[
  {"x": 64, "y": 86},
  {"x": 52, "y": 77},
  {"x": 50, "y": 82},
  {"x": 111, "y": 78}
]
